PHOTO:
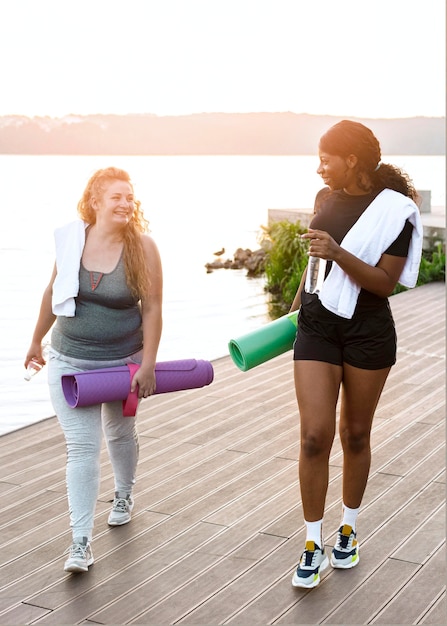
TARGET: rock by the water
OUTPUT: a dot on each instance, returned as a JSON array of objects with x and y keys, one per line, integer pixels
[{"x": 253, "y": 262}]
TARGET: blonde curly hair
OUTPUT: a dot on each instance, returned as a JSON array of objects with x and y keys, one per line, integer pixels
[{"x": 137, "y": 273}]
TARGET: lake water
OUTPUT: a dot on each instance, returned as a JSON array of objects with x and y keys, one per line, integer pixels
[{"x": 195, "y": 205}]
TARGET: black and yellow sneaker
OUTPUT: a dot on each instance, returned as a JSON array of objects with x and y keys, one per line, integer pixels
[
  {"x": 312, "y": 562},
  {"x": 345, "y": 553}
]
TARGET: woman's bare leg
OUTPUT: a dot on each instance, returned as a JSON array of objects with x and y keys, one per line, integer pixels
[
  {"x": 361, "y": 391},
  {"x": 317, "y": 387}
]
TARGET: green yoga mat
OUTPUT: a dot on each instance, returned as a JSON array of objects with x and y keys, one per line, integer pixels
[{"x": 264, "y": 343}]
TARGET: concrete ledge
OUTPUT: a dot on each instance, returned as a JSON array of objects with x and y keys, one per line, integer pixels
[{"x": 433, "y": 222}]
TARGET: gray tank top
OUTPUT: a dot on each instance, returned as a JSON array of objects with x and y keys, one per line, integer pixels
[{"x": 107, "y": 322}]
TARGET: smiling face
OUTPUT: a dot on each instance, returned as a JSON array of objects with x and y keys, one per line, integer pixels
[
  {"x": 349, "y": 153},
  {"x": 115, "y": 204},
  {"x": 338, "y": 172}
]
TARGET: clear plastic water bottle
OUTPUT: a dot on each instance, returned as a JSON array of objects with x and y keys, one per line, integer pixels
[
  {"x": 34, "y": 367},
  {"x": 316, "y": 271}
]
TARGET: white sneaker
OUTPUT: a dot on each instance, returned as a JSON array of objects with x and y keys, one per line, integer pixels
[
  {"x": 80, "y": 556},
  {"x": 121, "y": 510}
]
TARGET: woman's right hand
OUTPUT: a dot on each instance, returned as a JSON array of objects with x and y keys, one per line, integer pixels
[{"x": 35, "y": 353}]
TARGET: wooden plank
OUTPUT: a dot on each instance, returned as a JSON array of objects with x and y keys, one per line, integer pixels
[
  {"x": 437, "y": 613},
  {"x": 240, "y": 561},
  {"x": 217, "y": 529},
  {"x": 376, "y": 543},
  {"x": 38, "y": 570},
  {"x": 427, "y": 584}
]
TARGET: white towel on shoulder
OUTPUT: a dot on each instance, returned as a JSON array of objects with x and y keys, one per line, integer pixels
[
  {"x": 70, "y": 241},
  {"x": 375, "y": 230}
]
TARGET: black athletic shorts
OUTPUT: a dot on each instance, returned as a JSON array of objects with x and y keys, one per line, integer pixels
[{"x": 367, "y": 341}]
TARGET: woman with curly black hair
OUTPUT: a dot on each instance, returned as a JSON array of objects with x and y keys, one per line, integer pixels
[{"x": 365, "y": 237}]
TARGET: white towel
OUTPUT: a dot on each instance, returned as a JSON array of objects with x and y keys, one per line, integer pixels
[
  {"x": 70, "y": 241},
  {"x": 375, "y": 230}
]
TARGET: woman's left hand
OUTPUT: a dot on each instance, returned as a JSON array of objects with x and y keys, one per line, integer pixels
[
  {"x": 144, "y": 380},
  {"x": 321, "y": 244}
]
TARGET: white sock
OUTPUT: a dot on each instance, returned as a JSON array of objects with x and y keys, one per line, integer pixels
[
  {"x": 313, "y": 532},
  {"x": 350, "y": 516}
]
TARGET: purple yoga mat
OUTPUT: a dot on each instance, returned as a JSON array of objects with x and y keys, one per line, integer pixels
[{"x": 113, "y": 383}]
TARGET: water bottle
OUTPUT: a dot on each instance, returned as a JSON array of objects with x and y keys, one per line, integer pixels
[
  {"x": 34, "y": 367},
  {"x": 316, "y": 271}
]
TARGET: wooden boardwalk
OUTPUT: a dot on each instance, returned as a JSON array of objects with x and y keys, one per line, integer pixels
[{"x": 217, "y": 527}]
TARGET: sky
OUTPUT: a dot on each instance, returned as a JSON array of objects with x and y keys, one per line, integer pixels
[{"x": 357, "y": 58}]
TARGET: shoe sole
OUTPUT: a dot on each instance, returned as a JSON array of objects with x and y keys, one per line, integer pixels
[
  {"x": 77, "y": 569},
  {"x": 349, "y": 565},
  {"x": 314, "y": 583},
  {"x": 112, "y": 523}
]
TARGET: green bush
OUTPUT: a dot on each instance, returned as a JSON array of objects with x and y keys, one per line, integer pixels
[
  {"x": 432, "y": 265},
  {"x": 286, "y": 259},
  {"x": 431, "y": 269}
]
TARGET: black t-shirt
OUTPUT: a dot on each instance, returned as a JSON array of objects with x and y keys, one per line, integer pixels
[{"x": 336, "y": 213}]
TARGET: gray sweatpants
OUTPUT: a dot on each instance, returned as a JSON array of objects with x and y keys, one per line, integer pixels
[{"x": 83, "y": 428}]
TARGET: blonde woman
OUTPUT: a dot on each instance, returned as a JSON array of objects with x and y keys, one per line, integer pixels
[{"x": 104, "y": 305}]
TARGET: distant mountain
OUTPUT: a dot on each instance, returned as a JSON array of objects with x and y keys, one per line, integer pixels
[{"x": 205, "y": 133}]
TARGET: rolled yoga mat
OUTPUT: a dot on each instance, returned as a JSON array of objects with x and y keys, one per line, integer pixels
[
  {"x": 113, "y": 383},
  {"x": 264, "y": 343}
]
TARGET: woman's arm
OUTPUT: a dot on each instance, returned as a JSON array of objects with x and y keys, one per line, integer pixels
[
  {"x": 380, "y": 279},
  {"x": 297, "y": 299},
  {"x": 152, "y": 320},
  {"x": 45, "y": 321}
]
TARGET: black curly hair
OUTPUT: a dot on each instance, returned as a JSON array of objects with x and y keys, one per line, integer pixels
[{"x": 348, "y": 137}]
